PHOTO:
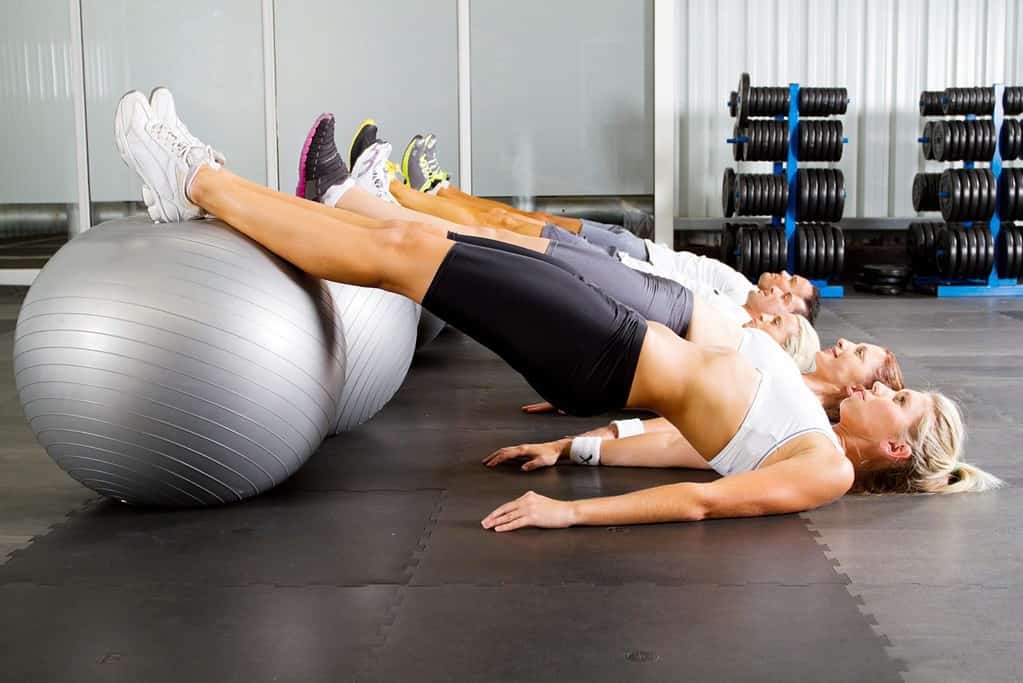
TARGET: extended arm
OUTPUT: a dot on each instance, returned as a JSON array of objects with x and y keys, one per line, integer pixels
[
  {"x": 658, "y": 449},
  {"x": 800, "y": 483}
]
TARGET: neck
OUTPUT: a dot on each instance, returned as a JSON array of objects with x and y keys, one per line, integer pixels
[
  {"x": 855, "y": 448},
  {"x": 827, "y": 393}
]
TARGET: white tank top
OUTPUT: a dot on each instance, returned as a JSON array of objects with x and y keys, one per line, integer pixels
[{"x": 782, "y": 408}]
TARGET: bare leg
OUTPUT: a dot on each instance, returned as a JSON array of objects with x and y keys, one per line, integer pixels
[
  {"x": 399, "y": 259},
  {"x": 357, "y": 200},
  {"x": 465, "y": 213},
  {"x": 453, "y": 193},
  {"x": 418, "y": 220}
]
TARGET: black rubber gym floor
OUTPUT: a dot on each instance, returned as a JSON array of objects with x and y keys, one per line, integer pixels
[{"x": 370, "y": 564}]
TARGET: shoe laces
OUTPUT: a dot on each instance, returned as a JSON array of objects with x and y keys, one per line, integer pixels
[{"x": 172, "y": 139}]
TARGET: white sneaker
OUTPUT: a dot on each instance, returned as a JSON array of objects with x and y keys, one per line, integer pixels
[
  {"x": 166, "y": 160},
  {"x": 161, "y": 101},
  {"x": 370, "y": 171}
]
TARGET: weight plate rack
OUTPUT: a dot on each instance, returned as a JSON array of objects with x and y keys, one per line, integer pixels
[
  {"x": 977, "y": 251},
  {"x": 786, "y": 126}
]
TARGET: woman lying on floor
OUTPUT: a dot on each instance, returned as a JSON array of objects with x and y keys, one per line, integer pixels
[{"x": 765, "y": 431}]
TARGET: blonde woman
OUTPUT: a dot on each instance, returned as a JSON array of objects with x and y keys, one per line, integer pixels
[{"x": 586, "y": 353}]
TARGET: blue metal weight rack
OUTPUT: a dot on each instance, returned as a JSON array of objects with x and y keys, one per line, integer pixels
[
  {"x": 789, "y": 169},
  {"x": 995, "y": 284}
]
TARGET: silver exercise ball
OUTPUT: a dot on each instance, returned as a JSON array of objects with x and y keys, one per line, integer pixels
[
  {"x": 429, "y": 327},
  {"x": 378, "y": 338},
  {"x": 177, "y": 364}
]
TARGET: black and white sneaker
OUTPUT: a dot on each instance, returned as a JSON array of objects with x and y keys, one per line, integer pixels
[
  {"x": 365, "y": 136},
  {"x": 320, "y": 166}
]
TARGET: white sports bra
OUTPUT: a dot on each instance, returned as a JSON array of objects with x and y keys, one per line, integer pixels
[{"x": 783, "y": 408}]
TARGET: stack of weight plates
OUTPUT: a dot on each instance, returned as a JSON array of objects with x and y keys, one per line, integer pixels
[{"x": 876, "y": 278}]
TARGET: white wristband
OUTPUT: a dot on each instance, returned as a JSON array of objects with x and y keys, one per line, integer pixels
[
  {"x": 627, "y": 428},
  {"x": 585, "y": 450}
]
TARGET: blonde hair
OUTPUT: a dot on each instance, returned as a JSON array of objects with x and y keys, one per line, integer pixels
[
  {"x": 803, "y": 345},
  {"x": 935, "y": 465}
]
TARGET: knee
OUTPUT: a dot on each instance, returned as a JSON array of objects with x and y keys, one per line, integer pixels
[{"x": 401, "y": 237}]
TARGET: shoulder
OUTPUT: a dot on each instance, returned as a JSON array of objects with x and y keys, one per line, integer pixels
[{"x": 823, "y": 460}]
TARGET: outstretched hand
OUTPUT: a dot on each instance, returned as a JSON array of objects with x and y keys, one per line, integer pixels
[
  {"x": 531, "y": 509},
  {"x": 536, "y": 455}
]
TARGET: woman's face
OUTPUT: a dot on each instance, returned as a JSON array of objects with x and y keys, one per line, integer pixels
[
  {"x": 881, "y": 415},
  {"x": 779, "y": 326},
  {"x": 850, "y": 364}
]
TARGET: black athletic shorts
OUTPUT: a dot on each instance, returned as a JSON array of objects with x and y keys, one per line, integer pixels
[
  {"x": 655, "y": 298},
  {"x": 574, "y": 344}
]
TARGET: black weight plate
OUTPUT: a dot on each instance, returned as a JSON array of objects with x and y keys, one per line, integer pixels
[
  {"x": 885, "y": 270},
  {"x": 939, "y": 140},
  {"x": 882, "y": 280},
  {"x": 732, "y": 104},
  {"x": 779, "y": 250},
  {"x": 839, "y": 251},
  {"x": 768, "y": 248},
  {"x": 803, "y": 188},
  {"x": 927, "y": 146},
  {"x": 1002, "y": 250},
  {"x": 1009, "y": 195},
  {"x": 1014, "y": 259},
  {"x": 742, "y": 99},
  {"x": 814, "y": 195},
  {"x": 988, "y": 253},
  {"x": 990, "y": 194},
  {"x": 972, "y": 177},
  {"x": 919, "y": 191},
  {"x": 728, "y": 193},
  {"x": 832, "y": 208},
  {"x": 783, "y": 251},
  {"x": 738, "y": 148},
  {"x": 959, "y": 193},
  {"x": 742, "y": 254},
  {"x": 822, "y": 253},
  {"x": 840, "y": 203},
  {"x": 755, "y": 257},
  {"x": 945, "y": 184},
  {"x": 801, "y": 250},
  {"x": 811, "y": 251},
  {"x": 777, "y": 253},
  {"x": 829, "y": 250},
  {"x": 967, "y": 252},
  {"x": 950, "y": 242}
]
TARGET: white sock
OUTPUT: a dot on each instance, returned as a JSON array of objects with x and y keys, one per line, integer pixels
[
  {"x": 334, "y": 193},
  {"x": 442, "y": 185}
]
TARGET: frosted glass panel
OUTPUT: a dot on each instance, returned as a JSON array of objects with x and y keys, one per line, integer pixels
[
  {"x": 208, "y": 53},
  {"x": 390, "y": 60},
  {"x": 562, "y": 97},
  {"x": 37, "y": 152}
]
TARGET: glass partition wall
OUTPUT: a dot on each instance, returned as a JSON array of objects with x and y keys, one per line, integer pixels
[
  {"x": 528, "y": 100},
  {"x": 38, "y": 174}
]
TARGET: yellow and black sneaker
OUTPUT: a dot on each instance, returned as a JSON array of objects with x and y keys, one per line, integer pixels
[
  {"x": 420, "y": 165},
  {"x": 411, "y": 167},
  {"x": 365, "y": 136}
]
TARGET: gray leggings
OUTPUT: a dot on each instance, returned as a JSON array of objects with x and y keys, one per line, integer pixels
[
  {"x": 658, "y": 299},
  {"x": 614, "y": 236}
]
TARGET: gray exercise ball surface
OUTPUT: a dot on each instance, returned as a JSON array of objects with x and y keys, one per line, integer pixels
[
  {"x": 177, "y": 364},
  {"x": 377, "y": 332},
  {"x": 429, "y": 327}
]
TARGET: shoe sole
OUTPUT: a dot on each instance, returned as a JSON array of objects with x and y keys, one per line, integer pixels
[
  {"x": 300, "y": 189},
  {"x": 351, "y": 145},
  {"x": 405, "y": 157}
]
